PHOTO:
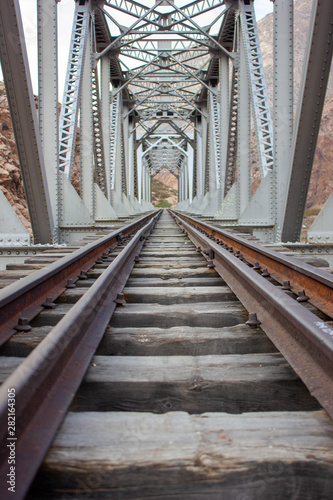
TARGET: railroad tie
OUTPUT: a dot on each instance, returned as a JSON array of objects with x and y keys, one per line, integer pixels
[{"x": 183, "y": 399}]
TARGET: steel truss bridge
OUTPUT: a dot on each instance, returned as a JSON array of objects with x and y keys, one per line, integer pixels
[{"x": 160, "y": 85}]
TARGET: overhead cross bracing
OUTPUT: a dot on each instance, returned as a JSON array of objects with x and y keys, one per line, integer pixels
[
  {"x": 164, "y": 57},
  {"x": 173, "y": 85}
]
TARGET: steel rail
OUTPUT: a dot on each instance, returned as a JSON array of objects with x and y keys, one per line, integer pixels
[
  {"x": 303, "y": 339},
  {"x": 47, "y": 380},
  {"x": 318, "y": 284},
  {"x": 25, "y": 297}
]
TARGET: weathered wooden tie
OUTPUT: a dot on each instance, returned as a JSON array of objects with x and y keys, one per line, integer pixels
[{"x": 183, "y": 400}]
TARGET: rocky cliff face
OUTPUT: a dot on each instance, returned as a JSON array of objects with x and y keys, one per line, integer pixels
[
  {"x": 10, "y": 174},
  {"x": 165, "y": 190}
]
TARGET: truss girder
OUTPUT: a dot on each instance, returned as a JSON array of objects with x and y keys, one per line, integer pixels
[
  {"x": 170, "y": 50},
  {"x": 231, "y": 167},
  {"x": 192, "y": 9},
  {"x": 216, "y": 133},
  {"x": 73, "y": 84},
  {"x": 262, "y": 114},
  {"x": 100, "y": 174},
  {"x": 114, "y": 124},
  {"x": 167, "y": 101}
]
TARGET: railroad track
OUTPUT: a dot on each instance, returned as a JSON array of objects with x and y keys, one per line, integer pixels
[{"x": 181, "y": 394}]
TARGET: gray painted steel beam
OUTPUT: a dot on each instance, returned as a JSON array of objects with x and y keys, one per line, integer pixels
[
  {"x": 72, "y": 91},
  {"x": 14, "y": 61},
  {"x": 312, "y": 97},
  {"x": 86, "y": 132},
  {"x": 283, "y": 103},
  {"x": 48, "y": 107},
  {"x": 244, "y": 131}
]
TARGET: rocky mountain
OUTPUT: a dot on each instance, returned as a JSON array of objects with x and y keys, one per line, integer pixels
[{"x": 164, "y": 190}]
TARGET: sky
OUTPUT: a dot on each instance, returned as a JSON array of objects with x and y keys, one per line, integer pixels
[{"x": 65, "y": 18}]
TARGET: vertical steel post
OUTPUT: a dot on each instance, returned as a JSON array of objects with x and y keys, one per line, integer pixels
[
  {"x": 224, "y": 92},
  {"x": 140, "y": 172},
  {"x": 180, "y": 187},
  {"x": 203, "y": 154},
  {"x": 48, "y": 107},
  {"x": 244, "y": 131},
  {"x": 283, "y": 103},
  {"x": 195, "y": 162},
  {"x": 311, "y": 102}
]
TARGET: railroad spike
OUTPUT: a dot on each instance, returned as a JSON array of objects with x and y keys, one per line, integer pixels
[
  {"x": 70, "y": 283},
  {"x": 23, "y": 325},
  {"x": 253, "y": 320},
  {"x": 49, "y": 304},
  {"x": 302, "y": 297},
  {"x": 120, "y": 300},
  {"x": 286, "y": 285},
  {"x": 265, "y": 273}
]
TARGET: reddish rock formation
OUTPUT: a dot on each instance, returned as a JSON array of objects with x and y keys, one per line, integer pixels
[{"x": 10, "y": 174}]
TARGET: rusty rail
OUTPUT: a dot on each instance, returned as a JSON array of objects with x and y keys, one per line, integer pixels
[
  {"x": 24, "y": 298},
  {"x": 46, "y": 381},
  {"x": 318, "y": 285},
  {"x": 304, "y": 340}
]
